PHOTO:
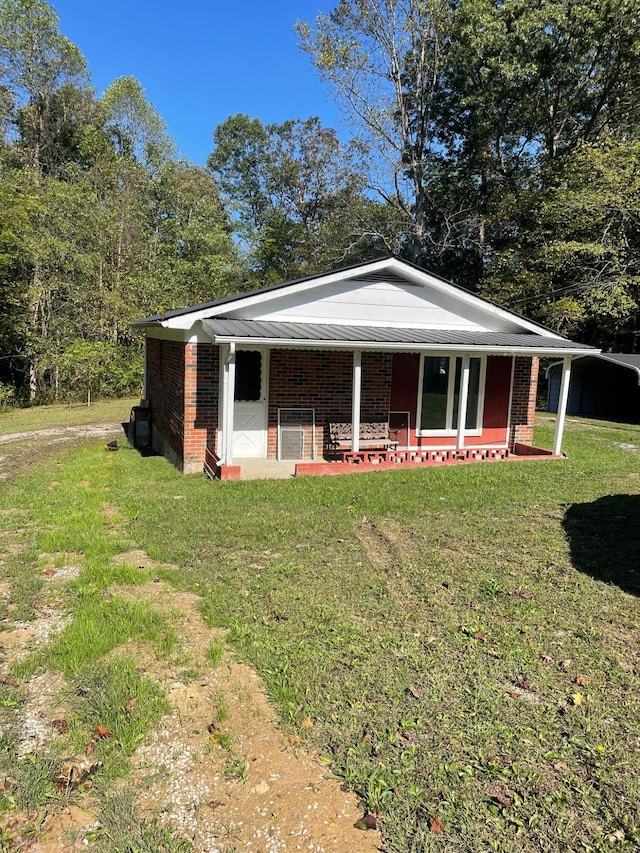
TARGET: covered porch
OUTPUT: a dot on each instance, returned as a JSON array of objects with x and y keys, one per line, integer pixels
[{"x": 446, "y": 399}]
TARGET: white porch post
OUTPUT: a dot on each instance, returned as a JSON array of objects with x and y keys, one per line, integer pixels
[
  {"x": 228, "y": 395},
  {"x": 562, "y": 404},
  {"x": 462, "y": 402},
  {"x": 355, "y": 400}
]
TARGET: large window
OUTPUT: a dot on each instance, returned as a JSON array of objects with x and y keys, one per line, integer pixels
[{"x": 439, "y": 398}]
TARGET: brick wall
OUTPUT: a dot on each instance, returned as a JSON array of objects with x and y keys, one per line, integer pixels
[
  {"x": 165, "y": 390},
  {"x": 523, "y": 401},
  {"x": 324, "y": 381},
  {"x": 200, "y": 403}
]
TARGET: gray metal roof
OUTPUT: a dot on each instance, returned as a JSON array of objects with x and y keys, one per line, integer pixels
[
  {"x": 624, "y": 359},
  {"x": 370, "y": 337}
]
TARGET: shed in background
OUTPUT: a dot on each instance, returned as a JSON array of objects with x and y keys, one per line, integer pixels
[{"x": 603, "y": 386}]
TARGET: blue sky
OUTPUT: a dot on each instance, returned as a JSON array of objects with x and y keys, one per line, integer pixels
[{"x": 200, "y": 61}]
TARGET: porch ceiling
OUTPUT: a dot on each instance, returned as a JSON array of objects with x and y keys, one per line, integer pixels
[{"x": 333, "y": 336}]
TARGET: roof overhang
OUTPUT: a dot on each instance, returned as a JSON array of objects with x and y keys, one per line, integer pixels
[{"x": 317, "y": 336}]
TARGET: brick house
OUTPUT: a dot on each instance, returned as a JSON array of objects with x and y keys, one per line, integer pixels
[{"x": 265, "y": 374}]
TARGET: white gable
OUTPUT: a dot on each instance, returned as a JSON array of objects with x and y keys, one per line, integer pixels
[
  {"x": 390, "y": 303},
  {"x": 387, "y": 293}
]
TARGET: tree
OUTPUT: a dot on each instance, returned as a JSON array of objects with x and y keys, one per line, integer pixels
[
  {"x": 574, "y": 264},
  {"x": 43, "y": 75},
  {"x": 384, "y": 60},
  {"x": 293, "y": 190},
  {"x": 466, "y": 101}
]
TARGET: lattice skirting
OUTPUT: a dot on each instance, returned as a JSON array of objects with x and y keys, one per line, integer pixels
[{"x": 426, "y": 456}]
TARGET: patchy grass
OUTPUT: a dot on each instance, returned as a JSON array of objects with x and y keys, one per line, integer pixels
[
  {"x": 460, "y": 644},
  {"x": 73, "y": 414}
]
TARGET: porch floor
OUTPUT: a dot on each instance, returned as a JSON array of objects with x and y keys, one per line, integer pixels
[{"x": 265, "y": 469}]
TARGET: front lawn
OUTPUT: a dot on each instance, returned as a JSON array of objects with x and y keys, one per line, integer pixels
[{"x": 459, "y": 644}]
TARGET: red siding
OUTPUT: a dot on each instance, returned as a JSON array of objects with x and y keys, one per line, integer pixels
[
  {"x": 496, "y": 400},
  {"x": 404, "y": 397}
]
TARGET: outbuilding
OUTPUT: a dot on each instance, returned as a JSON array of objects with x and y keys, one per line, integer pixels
[
  {"x": 379, "y": 364},
  {"x": 605, "y": 385}
]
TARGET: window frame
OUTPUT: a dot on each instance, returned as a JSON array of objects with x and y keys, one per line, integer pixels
[{"x": 451, "y": 428}]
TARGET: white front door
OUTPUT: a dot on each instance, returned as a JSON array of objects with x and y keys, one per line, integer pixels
[{"x": 250, "y": 404}]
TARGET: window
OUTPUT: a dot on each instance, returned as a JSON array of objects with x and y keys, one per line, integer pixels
[
  {"x": 248, "y": 375},
  {"x": 439, "y": 397}
]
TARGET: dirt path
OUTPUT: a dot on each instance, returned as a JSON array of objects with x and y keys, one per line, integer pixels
[
  {"x": 218, "y": 770},
  {"x": 19, "y": 449}
]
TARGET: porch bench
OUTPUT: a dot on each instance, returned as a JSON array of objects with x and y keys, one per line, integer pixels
[{"x": 373, "y": 435}]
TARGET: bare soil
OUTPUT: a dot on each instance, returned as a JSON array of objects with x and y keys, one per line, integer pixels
[{"x": 218, "y": 769}]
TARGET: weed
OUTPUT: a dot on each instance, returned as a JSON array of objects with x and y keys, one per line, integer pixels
[{"x": 215, "y": 652}]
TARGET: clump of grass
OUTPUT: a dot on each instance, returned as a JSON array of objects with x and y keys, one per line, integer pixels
[
  {"x": 118, "y": 697},
  {"x": 98, "y": 626},
  {"x": 215, "y": 651},
  {"x": 122, "y": 831}
]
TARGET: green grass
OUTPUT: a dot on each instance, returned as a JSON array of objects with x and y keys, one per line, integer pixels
[
  {"x": 464, "y": 640},
  {"x": 73, "y": 414}
]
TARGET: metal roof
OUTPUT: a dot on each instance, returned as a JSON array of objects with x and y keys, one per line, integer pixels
[
  {"x": 382, "y": 337},
  {"x": 624, "y": 359}
]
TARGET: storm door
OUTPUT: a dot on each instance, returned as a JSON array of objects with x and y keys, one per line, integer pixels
[{"x": 250, "y": 404}]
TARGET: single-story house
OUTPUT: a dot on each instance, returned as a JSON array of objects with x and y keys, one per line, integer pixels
[
  {"x": 605, "y": 385},
  {"x": 380, "y": 363}
]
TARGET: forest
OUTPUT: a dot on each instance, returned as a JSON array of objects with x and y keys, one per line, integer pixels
[{"x": 493, "y": 142}]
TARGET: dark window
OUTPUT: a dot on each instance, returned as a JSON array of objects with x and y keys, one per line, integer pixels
[{"x": 248, "y": 375}]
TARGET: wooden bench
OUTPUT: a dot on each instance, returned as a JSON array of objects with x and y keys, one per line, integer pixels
[{"x": 373, "y": 435}]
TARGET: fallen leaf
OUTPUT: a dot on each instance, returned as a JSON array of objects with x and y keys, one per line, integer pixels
[
  {"x": 523, "y": 681},
  {"x": 437, "y": 825},
  {"x": 277, "y": 616},
  {"x": 61, "y": 726},
  {"x": 101, "y": 731},
  {"x": 513, "y": 695},
  {"x": 501, "y": 799},
  {"x": 560, "y": 766},
  {"x": 130, "y": 705},
  {"x": 213, "y": 727},
  {"x": 478, "y": 635},
  {"x": 75, "y": 774},
  {"x": 368, "y": 821},
  {"x": 577, "y": 699},
  {"x": 90, "y": 747},
  {"x": 49, "y": 573},
  {"x": 214, "y": 804},
  {"x": 294, "y": 740},
  {"x": 413, "y": 691},
  {"x": 581, "y": 681},
  {"x": 307, "y": 723},
  {"x": 493, "y": 653}
]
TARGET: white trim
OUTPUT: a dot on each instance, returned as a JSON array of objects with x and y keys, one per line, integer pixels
[
  {"x": 462, "y": 402},
  {"x": 562, "y": 404},
  {"x": 230, "y": 368},
  {"x": 355, "y": 400},
  {"x": 482, "y": 379}
]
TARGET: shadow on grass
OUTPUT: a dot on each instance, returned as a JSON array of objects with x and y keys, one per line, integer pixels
[{"x": 604, "y": 537}]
